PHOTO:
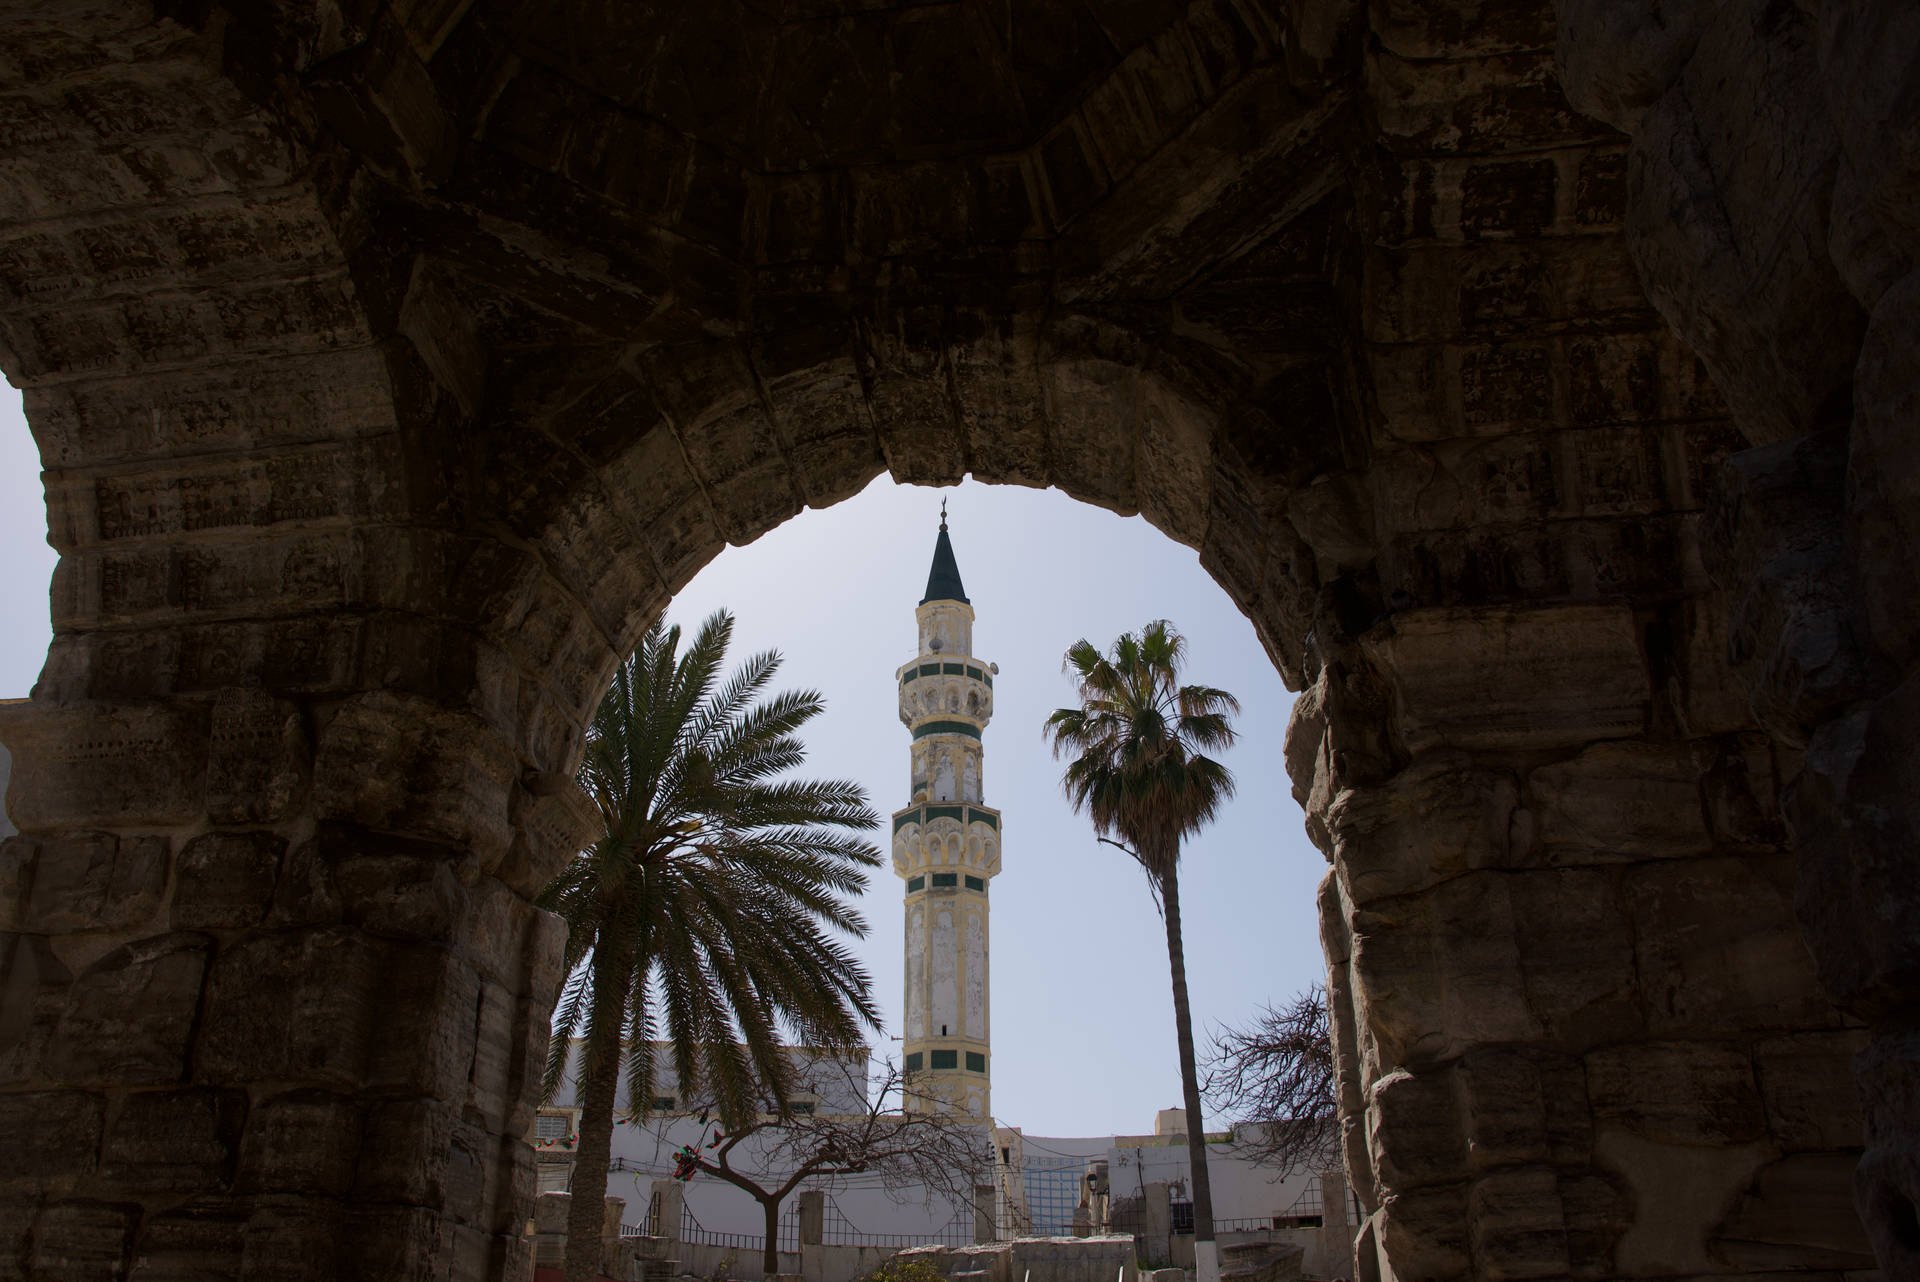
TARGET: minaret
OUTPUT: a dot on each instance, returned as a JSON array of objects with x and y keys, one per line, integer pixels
[{"x": 946, "y": 846}]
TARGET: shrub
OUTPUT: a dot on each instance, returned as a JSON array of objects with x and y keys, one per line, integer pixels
[{"x": 906, "y": 1268}]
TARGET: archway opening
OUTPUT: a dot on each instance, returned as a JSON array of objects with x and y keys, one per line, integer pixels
[{"x": 1080, "y": 1000}]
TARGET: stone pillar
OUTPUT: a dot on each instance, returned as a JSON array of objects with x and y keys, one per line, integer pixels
[
  {"x": 985, "y": 1204},
  {"x": 813, "y": 1217},
  {"x": 1569, "y": 996},
  {"x": 1336, "y": 1231},
  {"x": 1804, "y": 309},
  {"x": 1157, "y": 1222},
  {"x": 669, "y": 1203}
]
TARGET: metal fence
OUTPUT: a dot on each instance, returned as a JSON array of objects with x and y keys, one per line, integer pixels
[
  {"x": 1053, "y": 1193},
  {"x": 1307, "y": 1206},
  {"x": 787, "y": 1239},
  {"x": 838, "y": 1230},
  {"x": 1310, "y": 1201}
]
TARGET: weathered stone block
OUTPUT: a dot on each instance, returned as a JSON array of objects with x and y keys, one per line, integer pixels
[
  {"x": 84, "y": 765},
  {"x": 1415, "y": 1126},
  {"x": 405, "y": 1152},
  {"x": 1520, "y": 1107},
  {"x": 395, "y": 894},
  {"x": 92, "y": 879},
  {"x": 1883, "y": 473},
  {"x": 497, "y": 1074},
  {"x": 1596, "y": 1211},
  {"x": 193, "y": 1244},
  {"x": 1855, "y": 811},
  {"x": 31, "y": 1001},
  {"x": 1503, "y": 102},
  {"x": 550, "y": 825},
  {"x": 1440, "y": 971},
  {"x": 295, "y": 1006},
  {"x": 1438, "y": 818},
  {"x": 1513, "y": 198},
  {"x": 174, "y": 1140},
  {"x": 1799, "y": 1213},
  {"x": 225, "y": 880},
  {"x": 1087, "y": 400},
  {"x": 1543, "y": 677},
  {"x": 1740, "y": 276},
  {"x": 1576, "y": 962},
  {"x": 1617, "y": 59},
  {"x": 1807, "y": 1085},
  {"x": 129, "y": 1017},
  {"x": 1716, "y": 945},
  {"x": 301, "y": 1240},
  {"x": 1698, "y": 1093},
  {"x": 1515, "y": 1224},
  {"x": 407, "y": 767},
  {"x": 300, "y": 1142},
  {"x": 1423, "y": 1232},
  {"x": 423, "y": 1040},
  {"x": 82, "y": 1241},
  {"x": 1619, "y": 801},
  {"x": 259, "y": 764},
  {"x": 76, "y": 1117}
]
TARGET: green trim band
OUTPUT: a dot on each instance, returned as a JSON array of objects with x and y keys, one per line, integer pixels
[
  {"x": 915, "y": 884},
  {"x": 974, "y": 883},
  {"x": 947, "y": 727},
  {"x": 962, "y": 814},
  {"x": 976, "y": 1062},
  {"x": 945, "y": 880}
]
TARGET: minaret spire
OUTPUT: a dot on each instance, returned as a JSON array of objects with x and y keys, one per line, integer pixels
[
  {"x": 943, "y": 580},
  {"x": 946, "y": 847}
]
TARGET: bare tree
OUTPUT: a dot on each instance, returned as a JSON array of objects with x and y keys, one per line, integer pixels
[
  {"x": 921, "y": 1147},
  {"x": 1275, "y": 1076}
]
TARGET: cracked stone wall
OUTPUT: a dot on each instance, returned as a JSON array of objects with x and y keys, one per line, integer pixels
[{"x": 1536, "y": 380}]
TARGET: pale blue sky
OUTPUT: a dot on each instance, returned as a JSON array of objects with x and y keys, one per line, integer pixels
[{"x": 1081, "y": 1010}]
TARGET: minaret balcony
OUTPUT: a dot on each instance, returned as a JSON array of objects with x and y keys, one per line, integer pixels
[
  {"x": 947, "y": 837},
  {"x": 945, "y": 689}
]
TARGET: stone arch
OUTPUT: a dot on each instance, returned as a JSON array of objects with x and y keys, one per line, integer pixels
[{"x": 383, "y": 404}]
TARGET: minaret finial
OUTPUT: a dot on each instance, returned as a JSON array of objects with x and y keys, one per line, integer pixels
[{"x": 943, "y": 511}]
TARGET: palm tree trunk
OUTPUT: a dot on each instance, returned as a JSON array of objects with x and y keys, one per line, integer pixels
[
  {"x": 1205, "y": 1257},
  {"x": 770, "y": 1258},
  {"x": 599, "y": 1087}
]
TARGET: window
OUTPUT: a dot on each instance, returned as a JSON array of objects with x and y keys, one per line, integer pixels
[
  {"x": 975, "y": 673},
  {"x": 953, "y": 669},
  {"x": 800, "y": 1107},
  {"x": 976, "y": 1062},
  {"x": 550, "y": 1126},
  {"x": 663, "y": 1103},
  {"x": 914, "y": 1062},
  {"x": 974, "y": 883},
  {"x": 916, "y": 883},
  {"x": 945, "y": 879},
  {"x": 946, "y": 1059}
]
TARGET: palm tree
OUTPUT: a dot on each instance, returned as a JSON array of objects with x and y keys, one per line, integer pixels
[
  {"x": 706, "y": 909},
  {"x": 1141, "y": 775}
]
